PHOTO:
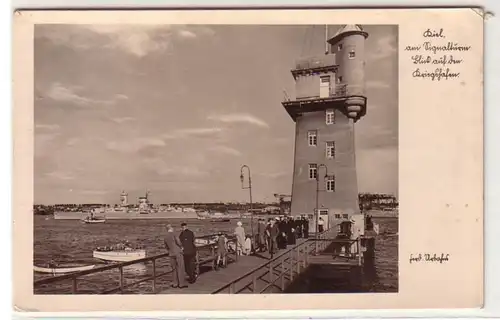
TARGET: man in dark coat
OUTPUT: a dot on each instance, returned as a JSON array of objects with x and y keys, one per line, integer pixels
[
  {"x": 174, "y": 248},
  {"x": 290, "y": 231},
  {"x": 262, "y": 235},
  {"x": 273, "y": 234},
  {"x": 281, "y": 239},
  {"x": 187, "y": 240},
  {"x": 305, "y": 227},
  {"x": 298, "y": 227}
]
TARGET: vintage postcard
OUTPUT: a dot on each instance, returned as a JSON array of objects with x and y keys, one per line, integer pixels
[{"x": 248, "y": 159}]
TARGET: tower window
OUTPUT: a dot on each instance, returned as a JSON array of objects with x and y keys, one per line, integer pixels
[
  {"x": 339, "y": 79},
  {"x": 337, "y": 216},
  {"x": 330, "y": 149},
  {"x": 330, "y": 184},
  {"x": 312, "y": 138},
  {"x": 340, "y": 47},
  {"x": 352, "y": 54},
  {"x": 330, "y": 116},
  {"x": 345, "y": 216},
  {"x": 313, "y": 171}
]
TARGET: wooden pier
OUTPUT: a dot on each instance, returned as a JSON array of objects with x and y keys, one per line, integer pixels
[{"x": 257, "y": 273}]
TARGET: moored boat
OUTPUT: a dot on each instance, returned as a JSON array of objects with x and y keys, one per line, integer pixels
[
  {"x": 220, "y": 220},
  {"x": 119, "y": 253},
  {"x": 58, "y": 270},
  {"x": 203, "y": 241},
  {"x": 90, "y": 220}
]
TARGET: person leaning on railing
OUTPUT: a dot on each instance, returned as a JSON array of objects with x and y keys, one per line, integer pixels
[{"x": 174, "y": 246}]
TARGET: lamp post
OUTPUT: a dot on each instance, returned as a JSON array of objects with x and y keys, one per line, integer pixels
[
  {"x": 242, "y": 178},
  {"x": 317, "y": 199}
]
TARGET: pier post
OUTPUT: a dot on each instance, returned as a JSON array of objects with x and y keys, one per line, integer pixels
[
  {"x": 271, "y": 270},
  {"x": 358, "y": 243},
  {"x": 121, "y": 279},
  {"x": 254, "y": 283},
  {"x": 282, "y": 274},
  {"x": 154, "y": 275},
  {"x": 298, "y": 260},
  {"x": 232, "y": 288}
]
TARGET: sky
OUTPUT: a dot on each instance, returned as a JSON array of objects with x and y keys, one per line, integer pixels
[{"x": 178, "y": 109}]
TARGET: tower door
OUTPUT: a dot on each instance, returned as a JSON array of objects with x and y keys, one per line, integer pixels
[{"x": 324, "y": 87}]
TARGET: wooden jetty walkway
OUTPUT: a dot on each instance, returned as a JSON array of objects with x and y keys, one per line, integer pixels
[{"x": 258, "y": 273}]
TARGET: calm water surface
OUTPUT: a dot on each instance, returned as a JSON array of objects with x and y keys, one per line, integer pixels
[{"x": 70, "y": 242}]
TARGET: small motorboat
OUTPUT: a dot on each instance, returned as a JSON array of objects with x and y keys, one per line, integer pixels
[
  {"x": 57, "y": 270},
  {"x": 220, "y": 220},
  {"x": 94, "y": 220},
  {"x": 204, "y": 241},
  {"x": 119, "y": 253}
]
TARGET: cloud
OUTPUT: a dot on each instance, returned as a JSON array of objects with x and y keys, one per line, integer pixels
[
  {"x": 60, "y": 175},
  {"x": 123, "y": 119},
  {"x": 121, "y": 97},
  {"x": 187, "y": 34},
  {"x": 58, "y": 92},
  {"x": 94, "y": 192},
  {"x": 188, "y": 171},
  {"x": 72, "y": 141},
  {"x": 377, "y": 84},
  {"x": 274, "y": 175},
  {"x": 131, "y": 146},
  {"x": 377, "y": 138},
  {"x": 239, "y": 118},
  {"x": 192, "y": 132},
  {"x": 138, "y": 39},
  {"x": 384, "y": 48},
  {"x": 226, "y": 150},
  {"x": 165, "y": 168}
]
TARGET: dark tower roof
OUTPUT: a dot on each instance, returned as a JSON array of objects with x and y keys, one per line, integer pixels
[{"x": 347, "y": 29}]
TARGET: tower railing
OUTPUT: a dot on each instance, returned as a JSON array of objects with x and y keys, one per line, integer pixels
[{"x": 337, "y": 91}]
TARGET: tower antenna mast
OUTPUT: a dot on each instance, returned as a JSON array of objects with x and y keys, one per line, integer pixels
[{"x": 326, "y": 39}]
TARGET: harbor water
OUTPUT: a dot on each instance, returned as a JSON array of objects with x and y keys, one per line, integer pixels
[{"x": 70, "y": 242}]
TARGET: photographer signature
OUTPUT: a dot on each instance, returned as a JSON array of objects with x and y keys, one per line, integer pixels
[{"x": 429, "y": 257}]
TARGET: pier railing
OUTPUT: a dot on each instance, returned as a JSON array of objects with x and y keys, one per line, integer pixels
[
  {"x": 78, "y": 277},
  {"x": 279, "y": 272}
]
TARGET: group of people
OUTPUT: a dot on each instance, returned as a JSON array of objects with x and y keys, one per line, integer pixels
[
  {"x": 273, "y": 235},
  {"x": 182, "y": 254},
  {"x": 279, "y": 232}
]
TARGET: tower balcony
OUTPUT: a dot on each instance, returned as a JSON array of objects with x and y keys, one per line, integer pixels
[{"x": 353, "y": 105}]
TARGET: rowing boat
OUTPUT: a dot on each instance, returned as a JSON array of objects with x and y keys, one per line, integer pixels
[
  {"x": 119, "y": 255},
  {"x": 62, "y": 270}
]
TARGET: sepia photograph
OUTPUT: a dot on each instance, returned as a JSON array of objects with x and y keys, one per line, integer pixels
[{"x": 215, "y": 159}]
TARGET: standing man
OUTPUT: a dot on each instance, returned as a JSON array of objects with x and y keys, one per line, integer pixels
[
  {"x": 174, "y": 248},
  {"x": 262, "y": 235},
  {"x": 187, "y": 240},
  {"x": 273, "y": 235},
  {"x": 321, "y": 225},
  {"x": 306, "y": 227}
]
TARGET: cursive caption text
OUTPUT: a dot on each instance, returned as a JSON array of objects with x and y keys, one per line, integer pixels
[
  {"x": 436, "y": 57},
  {"x": 429, "y": 257}
]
